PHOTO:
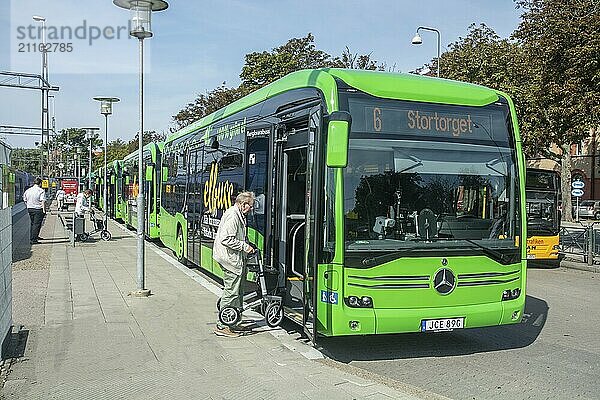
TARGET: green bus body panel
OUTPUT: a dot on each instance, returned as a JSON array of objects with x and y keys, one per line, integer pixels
[
  {"x": 413, "y": 87},
  {"x": 320, "y": 79},
  {"x": 397, "y": 310}
]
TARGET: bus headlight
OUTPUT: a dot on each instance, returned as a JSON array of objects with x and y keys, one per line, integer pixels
[
  {"x": 359, "y": 302},
  {"x": 511, "y": 294}
]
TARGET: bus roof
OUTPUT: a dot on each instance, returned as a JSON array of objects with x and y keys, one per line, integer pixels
[
  {"x": 398, "y": 86},
  {"x": 152, "y": 146}
]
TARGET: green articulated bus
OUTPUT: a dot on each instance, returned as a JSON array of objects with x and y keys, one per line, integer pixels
[
  {"x": 151, "y": 156},
  {"x": 385, "y": 202}
]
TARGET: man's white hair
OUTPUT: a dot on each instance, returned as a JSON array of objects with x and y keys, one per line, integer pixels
[{"x": 245, "y": 197}]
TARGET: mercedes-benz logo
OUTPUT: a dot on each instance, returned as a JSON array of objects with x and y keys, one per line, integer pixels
[{"x": 444, "y": 281}]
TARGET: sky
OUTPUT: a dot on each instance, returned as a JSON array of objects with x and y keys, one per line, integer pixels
[{"x": 198, "y": 45}]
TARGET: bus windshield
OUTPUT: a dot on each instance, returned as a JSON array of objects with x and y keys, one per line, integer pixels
[
  {"x": 542, "y": 192},
  {"x": 426, "y": 177}
]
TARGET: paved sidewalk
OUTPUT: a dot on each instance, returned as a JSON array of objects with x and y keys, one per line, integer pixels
[{"x": 93, "y": 341}]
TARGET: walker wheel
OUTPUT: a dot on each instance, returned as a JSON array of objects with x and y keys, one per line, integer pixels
[
  {"x": 219, "y": 304},
  {"x": 274, "y": 315},
  {"x": 230, "y": 316},
  {"x": 105, "y": 235},
  {"x": 83, "y": 237}
]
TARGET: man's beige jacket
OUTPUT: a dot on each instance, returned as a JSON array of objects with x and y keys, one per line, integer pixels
[{"x": 230, "y": 242}]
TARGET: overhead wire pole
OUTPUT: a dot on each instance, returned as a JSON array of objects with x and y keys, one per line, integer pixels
[
  {"x": 45, "y": 115},
  {"x": 21, "y": 80}
]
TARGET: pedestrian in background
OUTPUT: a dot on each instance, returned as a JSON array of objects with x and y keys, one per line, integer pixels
[
  {"x": 35, "y": 199},
  {"x": 60, "y": 198},
  {"x": 231, "y": 250}
]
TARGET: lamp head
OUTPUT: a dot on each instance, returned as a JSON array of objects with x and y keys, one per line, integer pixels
[
  {"x": 417, "y": 39},
  {"x": 38, "y": 18},
  {"x": 141, "y": 15},
  {"x": 106, "y": 104}
]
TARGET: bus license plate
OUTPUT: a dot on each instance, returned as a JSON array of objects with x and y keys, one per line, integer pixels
[{"x": 442, "y": 324}]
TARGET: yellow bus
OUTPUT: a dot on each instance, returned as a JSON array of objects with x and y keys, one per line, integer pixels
[{"x": 543, "y": 217}]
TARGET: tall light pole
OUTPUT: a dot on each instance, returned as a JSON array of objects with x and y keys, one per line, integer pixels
[
  {"x": 106, "y": 110},
  {"x": 53, "y": 130},
  {"x": 78, "y": 167},
  {"x": 417, "y": 40},
  {"x": 141, "y": 28},
  {"x": 44, "y": 53}
]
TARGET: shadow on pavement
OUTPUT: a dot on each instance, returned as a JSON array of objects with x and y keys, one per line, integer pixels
[
  {"x": 456, "y": 343},
  {"x": 15, "y": 344},
  {"x": 547, "y": 264},
  {"x": 21, "y": 248}
]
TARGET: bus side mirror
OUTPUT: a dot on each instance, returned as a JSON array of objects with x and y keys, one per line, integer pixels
[
  {"x": 338, "y": 132},
  {"x": 165, "y": 173},
  {"x": 149, "y": 173}
]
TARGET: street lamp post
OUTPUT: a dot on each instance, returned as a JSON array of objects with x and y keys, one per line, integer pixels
[
  {"x": 53, "y": 130},
  {"x": 44, "y": 53},
  {"x": 141, "y": 28},
  {"x": 106, "y": 110},
  {"x": 78, "y": 167},
  {"x": 417, "y": 40}
]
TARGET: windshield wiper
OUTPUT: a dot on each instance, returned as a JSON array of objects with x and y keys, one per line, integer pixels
[
  {"x": 495, "y": 254},
  {"x": 372, "y": 261}
]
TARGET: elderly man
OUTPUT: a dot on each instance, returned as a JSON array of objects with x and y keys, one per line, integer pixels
[
  {"x": 230, "y": 250},
  {"x": 35, "y": 199}
]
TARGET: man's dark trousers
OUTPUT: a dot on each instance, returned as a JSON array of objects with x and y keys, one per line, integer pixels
[{"x": 36, "y": 215}]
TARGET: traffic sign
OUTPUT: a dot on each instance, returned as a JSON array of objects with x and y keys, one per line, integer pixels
[
  {"x": 577, "y": 192},
  {"x": 578, "y": 184},
  {"x": 45, "y": 184}
]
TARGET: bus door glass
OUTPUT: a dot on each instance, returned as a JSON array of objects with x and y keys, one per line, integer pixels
[
  {"x": 194, "y": 201},
  {"x": 312, "y": 198},
  {"x": 294, "y": 216}
]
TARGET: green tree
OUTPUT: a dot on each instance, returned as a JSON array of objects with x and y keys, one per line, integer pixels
[
  {"x": 149, "y": 136},
  {"x": 27, "y": 160},
  {"x": 351, "y": 60},
  {"x": 206, "y": 104},
  {"x": 265, "y": 67},
  {"x": 561, "y": 47},
  {"x": 63, "y": 149},
  {"x": 262, "y": 68}
]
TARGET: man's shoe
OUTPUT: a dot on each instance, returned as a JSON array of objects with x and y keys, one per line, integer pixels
[{"x": 226, "y": 332}]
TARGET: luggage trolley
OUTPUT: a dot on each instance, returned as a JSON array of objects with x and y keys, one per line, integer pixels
[{"x": 269, "y": 305}]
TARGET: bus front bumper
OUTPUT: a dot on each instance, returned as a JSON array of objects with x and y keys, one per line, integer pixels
[{"x": 396, "y": 320}]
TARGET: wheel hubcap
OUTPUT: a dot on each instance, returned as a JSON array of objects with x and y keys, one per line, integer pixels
[{"x": 228, "y": 316}]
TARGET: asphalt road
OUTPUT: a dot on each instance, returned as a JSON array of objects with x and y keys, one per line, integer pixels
[{"x": 553, "y": 354}]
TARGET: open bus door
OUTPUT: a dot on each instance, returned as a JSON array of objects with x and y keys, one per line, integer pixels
[{"x": 295, "y": 212}]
